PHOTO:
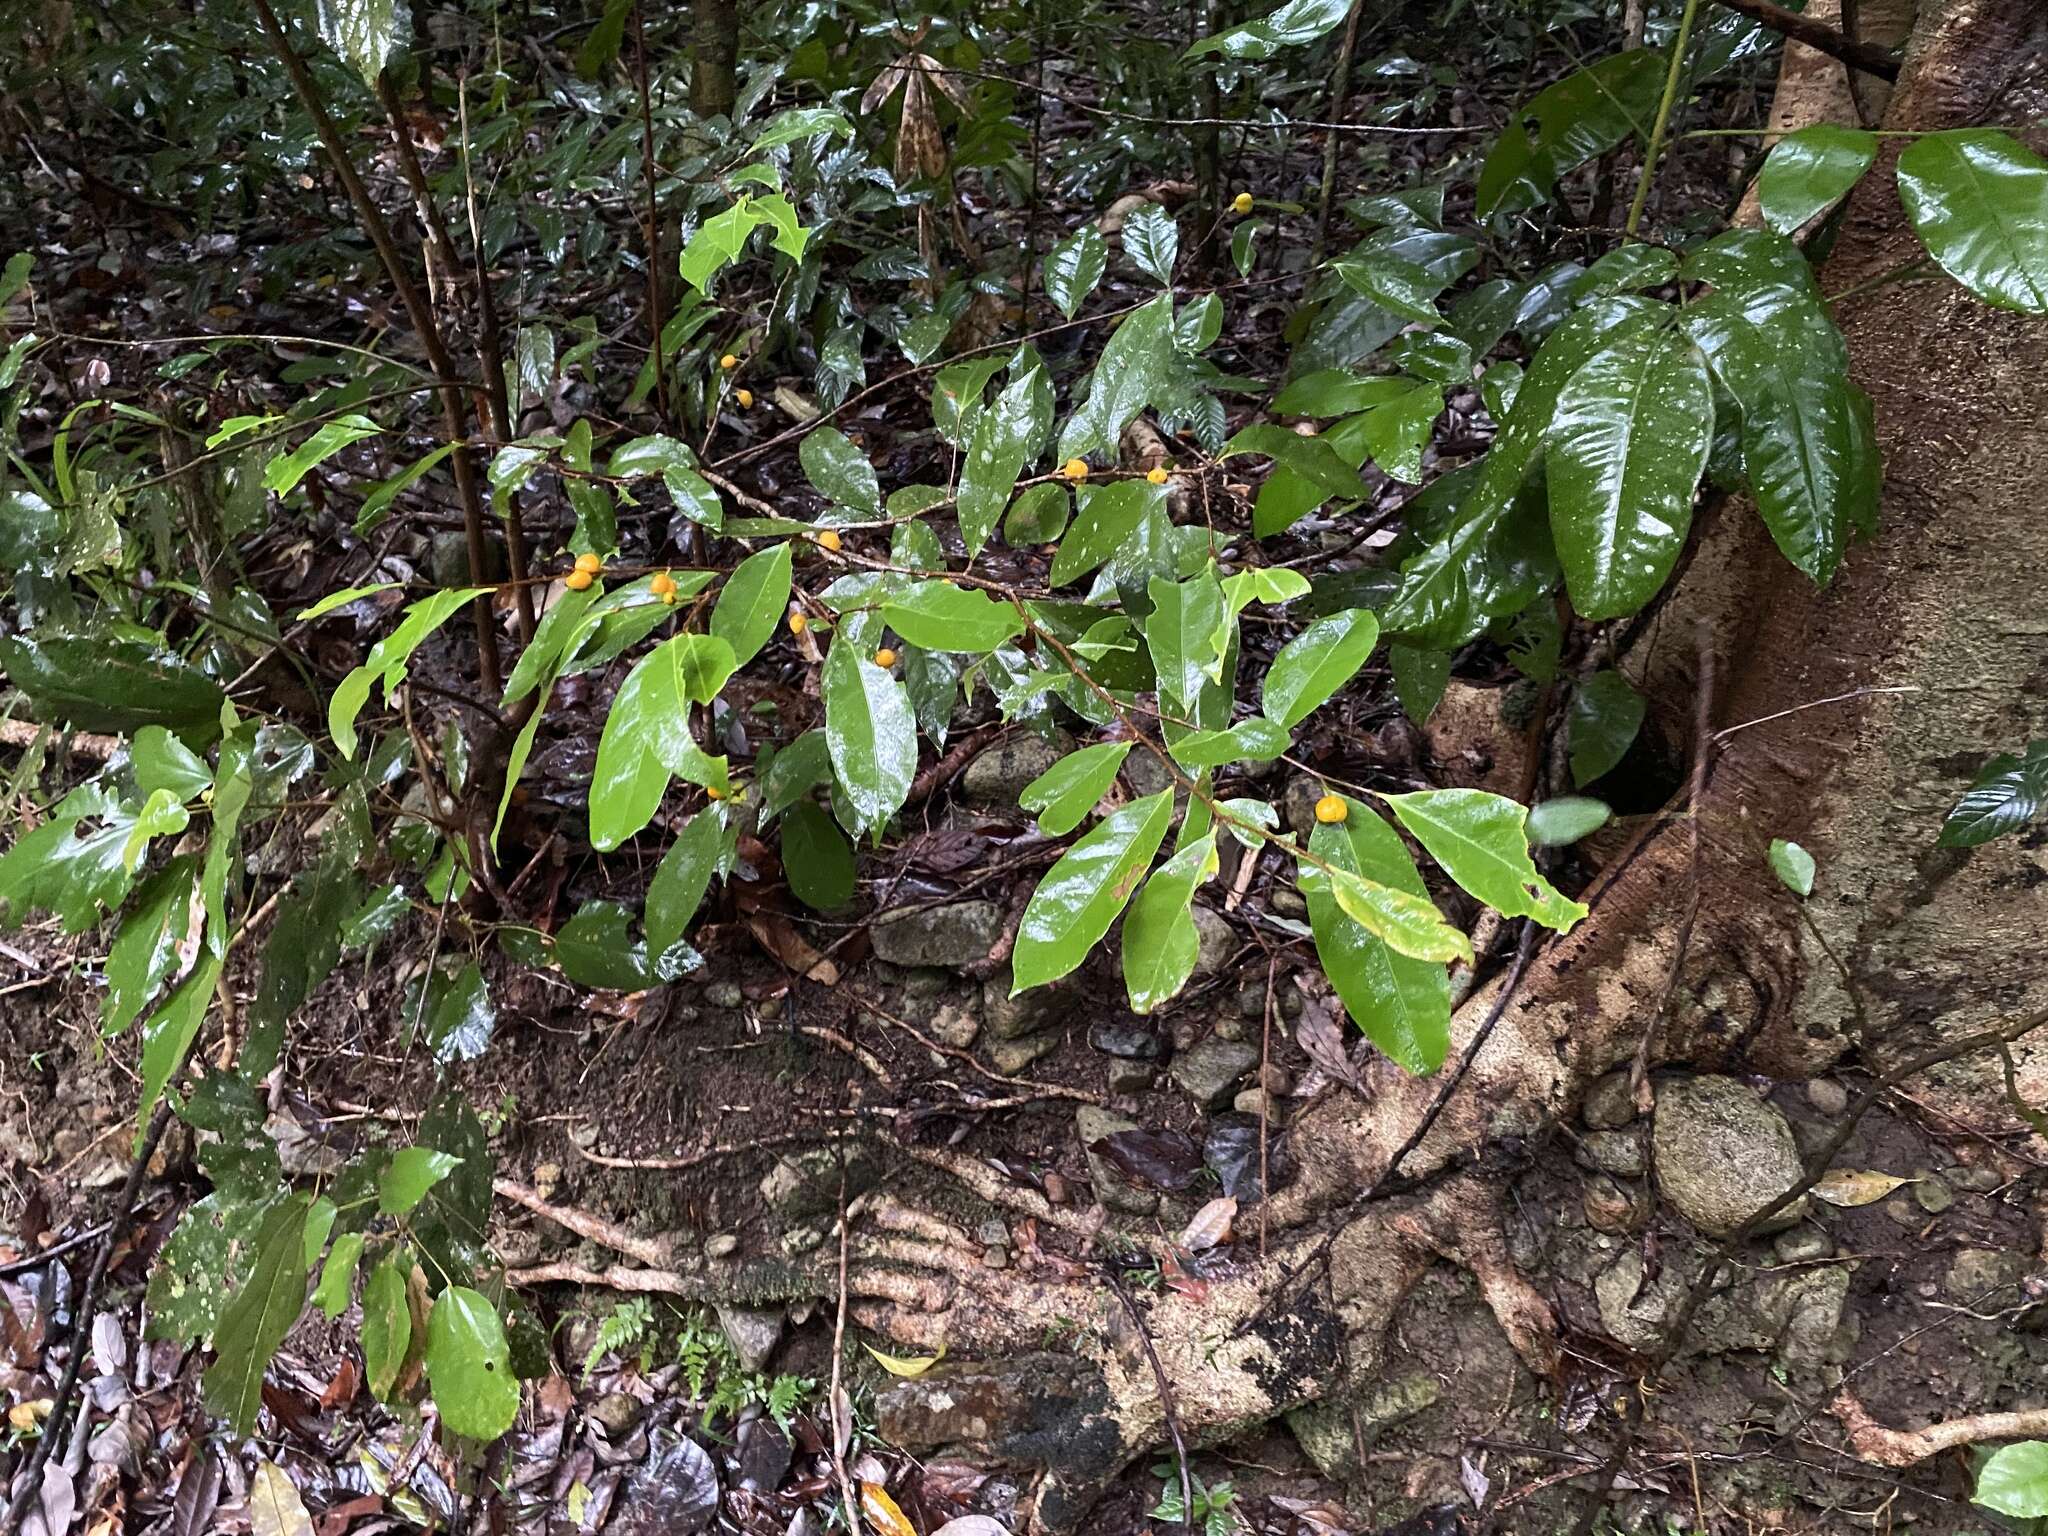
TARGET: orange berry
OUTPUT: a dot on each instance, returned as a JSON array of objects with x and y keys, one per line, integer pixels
[
  {"x": 589, "y": 564},
  {"x": 798, "y": 623},
  {"x": 1075, "y": 469},
  {"x": 578, "y": 581},
  {"x": 1156, "y": 475},
  {"x": 829, "y": 540},
  {"x": 714, "y": 791},
  {"x": 662, "y": 585},
  {"x": 1331, "y": 809},
  {"x": 885, "y": 657},
  {"x": 745, "y": 398},
  {"x": 728, "y": 362}
]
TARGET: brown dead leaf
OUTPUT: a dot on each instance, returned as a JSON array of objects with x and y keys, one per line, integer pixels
[
  {"x": 1211, "y": 1225},
  {"x": 275, "y": 1508},
  {"x": 881, "y": 1512},
  {"x": 1856, "y": 1186},
  {"x": 780, "y": 939}
]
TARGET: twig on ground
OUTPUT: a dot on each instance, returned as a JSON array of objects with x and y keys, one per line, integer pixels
[
  {"x": 836, "y": 1397},
  {"x": 1908, "y": 1447},
  {"x": 1166, "y": 1404}
]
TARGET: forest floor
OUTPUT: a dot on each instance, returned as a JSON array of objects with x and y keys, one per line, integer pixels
[{"x": 704, "y": 1121}]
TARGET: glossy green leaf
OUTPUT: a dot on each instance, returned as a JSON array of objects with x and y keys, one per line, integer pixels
[
  {"x": 1160, "y": 940},
  {"x": 1627, "y": 446},
  {"x": 1625, "y": 270},
  {"x": 1810, "y": 171},
  {"x": 387, "y": 1328},
  {"x": 1396, "y": 431},
  {"x": 1071, "y": 788},
  {"x": 840, "y": 470},
  {"x": 254, "y": 1323},
  {"x": 387, "y": 661},
  {"x": 1257, "y": 740},
  {"x": 1269, "y": 584},
  {"x": 1316, "y": 663},
  {"x": 816, "y": 858},
  {"x": 364, "y": 32},
  {"x": 1606, "y": 714},
  {"x": 1337, "y": 392},
  {"x": 1133, "y": 371},
  {"x": 1481, "y": 840},
  {"x": 406, "y": 1179},
  {"x": 647, "y": 736},
  {"x": 167, "y": 1037},
  {"x": 288, "y": 469},
  {"x": 1105, "y": 519},
  {"x": 1038, "y": 516},
  {"x": 1403, "y": 1004},
  {"x": 1152, "y": 241},
  {"x": 1563, "y": 126},
  {"x": 469, "y": 1365},
  {"x": 96, "y": 684},
  {"x": 700, "y": 850},
  {"x": 870, "y": 732},
  {"x": 145, "y": 951},
  {"x": 1186, "y": 634},
  {"x": 1978, "y": 199},
  {"x": 337, "y": 1276},
  {"x": 1558, "y": 822},
  {"x": 2009, "y": 792},
  {"x": 1309, "y": 457},
  {"x": 1400, "y": 287},
  {"x": 938, "y": 616},
  {"x": 802, "y": 123},
  {"x": 1793, "y": 866},
  {"x": 596, "y": 948},
  {"x": 1409, "y": 924},
  {"x": 996, "y": 454},
  {"x": 1081, "y": 895},
  {"x": 1295, "y": 23},
  {"x": 751, "y": 603},
  {"x": 2014, "y": 1481},
  {"x": 1420, "y": 677},
  {"x": 163, "y": 814},
  {"x": 161, "y": 761},
  {"x": 1074, "y": 267}
]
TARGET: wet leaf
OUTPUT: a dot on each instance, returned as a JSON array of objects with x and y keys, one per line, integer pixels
[
  {"x": 406, "y": 1179},
  {"x": 939, "y": 616},
  {"x": 1074, "y": 267},
  {"x": 870, "y": 732},
  {"x": 1811, "y": 170},
  {"x": 387, "y": 1327},
  {"x": 1403, "y": 1004},
  {"x": 1606, "y": 713},
  {"x": 1316, "y": 663},
  {"x": 1793, "y": 865},
  {"x": 1070, "y": 789},
  {"x": 255, "y": 1322},
  {"x": 1979, "y": 200},
  {"x": 816, "y": 858},
  {"x": 840, "y": 470},
  {"x": 1081, "y": 895},
  {"x": 1482, "y": 842},
  {"x": 1168, "y": 1160},
  {"x": 1160, "y": 941},
  {"x": 1856, "y": 1186},
  {"x": 469, "y": 1365},
  {"x": 752, "y": 602}
]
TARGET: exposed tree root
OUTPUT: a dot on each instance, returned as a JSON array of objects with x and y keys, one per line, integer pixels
[{"x": 1873, "y": 1442}]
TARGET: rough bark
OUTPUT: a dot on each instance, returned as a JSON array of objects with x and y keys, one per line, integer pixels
[{"x": 714, "y": 57}]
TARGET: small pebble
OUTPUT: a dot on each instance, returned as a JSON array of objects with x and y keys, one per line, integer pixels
[
  {"x": 721, "y": 1246},
  {"x": 1827, "y": 1096}
]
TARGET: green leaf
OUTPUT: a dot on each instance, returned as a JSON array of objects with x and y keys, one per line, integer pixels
[
  {"x": 406, "y": 1179},
  {"x": 2008, "y": 793},
  {"x": 387, "y": 1328},
  {"x": 596, "y": 949},
  {"x": 1187, "y": 635},
  {"x": 161, "y": 761},
  {"x": 679, "y": 884},
  {"x": 1409, "y": 924},
  {"x": 870, "y": 731},
  {"x": 751, "y": 603},
  {"x": 1066, "y": 792},
  {"x": 163, "y": 814},
  {"x": 110, "y": 685},
  {"x": 602, "y": 45},
  {"x": 1316, "y": 663},
  {"x": 1563, "y": 126},
  {"x": 1626, "y": 448},
  {"x": 145, "y": 950},
  {"x": 1397, "y": 286},
  {"x": 1793, "y": 866},
  {"x": 1606, "y": 714},
  {"x": 1133, "y": 371},
  {"x": 1313, "y": 459},
  {"x": 938, "y": 616},
  {"x": 469, "y": 1365},
  {"x": 1295, "y": 23},
  {"x": 1152, "y": 241},
  {"x": 1403, "y": 1004},
  {"x": 1081, "y": 895},
  {"x": 718, "y": 243},
  {"x": 2014, "y": 1481},
  {"x": 1038, "y": 516},
  {"x": 1626, "y": 270},
  {"x": 1420, "y": 677},
  {"x": 1105, "y": 519},
  {"x": 1257, "y": 740},
  {"x": 1160, "y": 940},
  {"x": 1244, "y": 244},
  {"x": 647, "y": 735},
  {"x": 1979, "y": 200},
  {"x": 167, "y": 1037},
  {"x": 651, "y": 455},
  {"x": 1396, "y": 432},
  {"x": 1269, "y": 584},
  {"x": 1811, "y": 170},
  {"x": 1074, "y": 267},
  {"x": 802, "y": 123},
  {"x": 816, "y": 858},
  {"x": 255, "y": 1322},
  {"x": 364, "y": 32},
  {"x": 1481, "y": 841},
  {"x": 338, "y": 1275},
  {"x": 288, "y": 469},
  {"x": 1564, "y": 820},
  {"x": 996, "y": 454},
  {"x": 841, "y": 471},
  {"x": 1336, "y": 392},
  {"x": 387, "y": 661}
]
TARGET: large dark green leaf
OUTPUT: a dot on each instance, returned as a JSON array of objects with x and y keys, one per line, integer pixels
[
  {"x": 870, "y": 731},
  {"x": 1402, "y": 1004},
  {"x": 816, "y": 858},
  {"x": 110, "y": 685},
  {"x": 1979, "y": 200},
  {"x": 1316, "y": 663},
  {"x": 1186, "y": 634},
  {"x": 1563, "y": 126},
  {"x": 1295, "y": 23},
  {"x": 1152, "y": 241},
  {"x": 1106, "y": 518},
  {"x": 840, "y": 470},
  {"x": 938, "y": 616},
  {"x": 2008, "y": 793},
  {"x": 1810, "y": 170},
  {"x": 1133, "y": 370},
  {"x": 752, "y": 601},
  {"x": 1311, "y": 458},
  {"x": 647, "y": 736},
  {"x": 1074, "y": 267},
  {"x": 1627, "y": 443},
  {"x": 167, "y": 1037},
  {"x": 469, "y": 1365},
  {"x": 996, "y": 453},
  {"x": 145, "y": 950},
  {"x": 1081, "y": 895},
  {"x": 700, "y": 850},
  {"x": 1606, "y": 713},
  {"x": 262, "y": 1312}
]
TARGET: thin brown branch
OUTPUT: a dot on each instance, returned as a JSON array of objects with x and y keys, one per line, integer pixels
[
  {"x": 1873, "y": 1442},
  {"x": 1819, "y": 36}
]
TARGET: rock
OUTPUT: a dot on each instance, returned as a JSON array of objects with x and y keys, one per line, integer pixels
[
  {"x": 1812, "y": 1307},
  {"x": 1905, "y": 1212},
  {"x": 1638, "y": 1321},
  {"x": 1208, "y": 1071},
  {"x": 954, "y": 1024},
  {"x": 1111, "y": 1188},
  {"x": 980, "y": 1404},
  {"x": 1932, "y": 1195},
  {"x": 999, "y": 775},
  {"x": 1827, "y": 1096},
  {"x": 1288, "y": 902},
  {"x": 1722, "y": 1154},
  {"x": 724, "y": 994},
  {"x": 1298, "y": 805},
  {"x": 1145, "y": 773},
  {"x": 1802, "y": 1245},
  {"x": 1129, "y": 1076},
  {"x": 722, "y": 1246},
  {"x": 959, "y": 934},
  {"x": 1330, "y": 1434},
  {"x": 925, "y": 981},
  {"x": 1254, "y": 1102},
  {"x": 547, "y": 1179},
  {"x": 1614, "y": 1207},
  {"x": 1976, "y": 1273},
  {"x": 752, "y": 1332},
  {"x": 805, "y": 1185},
  {"x": 1617, "y": 1152},
  {"x": 1978, "y": 1181},
  {"x": 448, "y": 559},
  {"x": 1609, "y": 1103},
  {"x": 1133, "y": 1041},
  {"x": 1010, "y": 1057},
  {"x": 1217, "y": 939},
  {"x": 617, "y": 1413},
  {"x": 1007, "y": 1017}
]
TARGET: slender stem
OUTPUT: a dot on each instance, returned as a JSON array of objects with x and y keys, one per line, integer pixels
[
  {"x": 1657, "y": 130},
  {"x": 654, "y": 318},
  {"x": 1340, "y": 86}
]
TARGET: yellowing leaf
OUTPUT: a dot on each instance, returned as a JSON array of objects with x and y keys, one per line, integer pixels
[
  {"x": 1856, "y": 1186},
  {"x": 881, "y": 1513},
  {"x": 910, "y": 1367},
  {"x": 22, "y": 1418},
  {"x": 275, "y": 1508}
]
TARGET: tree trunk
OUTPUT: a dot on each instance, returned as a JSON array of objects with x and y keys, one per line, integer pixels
[{"x": 714, "y": 58}]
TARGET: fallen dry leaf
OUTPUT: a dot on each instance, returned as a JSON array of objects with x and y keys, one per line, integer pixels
[
  {"x": 880, "y": 1511},
  {"x": 1211, "y": 1225},
  {"x": 1856, "y": 1186},
  {"x": 275, "y": 1508},
  {"x": 910, "y": 1367}
]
